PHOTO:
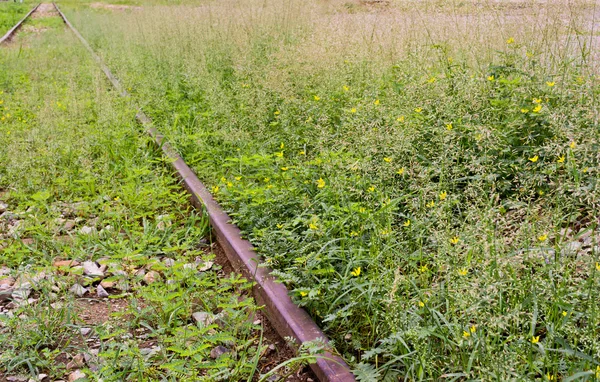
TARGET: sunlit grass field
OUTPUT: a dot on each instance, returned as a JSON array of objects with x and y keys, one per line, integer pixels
[{"x": 423, "y": 176}]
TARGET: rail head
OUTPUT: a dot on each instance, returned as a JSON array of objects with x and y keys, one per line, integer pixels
[
  {"x": 287, "y": 318},
  {"x": 14, "y": 29}
]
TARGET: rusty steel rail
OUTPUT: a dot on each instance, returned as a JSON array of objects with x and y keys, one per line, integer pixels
[
  {"x": 14, "y": 29},
  {"x": 288, "y": 319}
]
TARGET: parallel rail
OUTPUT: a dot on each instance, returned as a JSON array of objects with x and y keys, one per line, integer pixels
[
  {"x": 14, "y": 29},
  {"x": 287, "y": 318}
]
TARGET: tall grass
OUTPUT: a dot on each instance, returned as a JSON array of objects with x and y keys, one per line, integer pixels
[{"x": 418, "y": 173}]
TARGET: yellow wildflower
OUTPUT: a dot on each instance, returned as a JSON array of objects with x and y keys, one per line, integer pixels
[
  {"x": 353, "y": 234},
  {"x": 598, "y": 267},
  {"x": 550, "y": 84},
  {"x": 267, "y": 180},
  {"x": 284, "y": 168},
  {"x": 564, "y": 313},
  {"x": 376, "y": 102},
  {"x": 316, "y": 98},
  {"x": 303, "y": 294},
  {"x": 277, "y": 112},
  {"x": 229, "y": 184},
  {"x": 353, "y": 110},
  {"x": 542, "y": 237},
  {"x": 238, "y": 178},
  {"x": 473, "y": 328},
  {"x": 561, "y": 159},
  {"x": 269, "y": 186},
  {"x": 418, "y": 110},
  {"x": 313, "y": 226},
  {"x": 346, "y": 88},
  {"x": 524, "y": 110},
  {"x": 302, "y": 152},
  {"x": 279, "y": 154},
  {"x": 371, "y": 189},
  {"x": 400, "y": 118},
  {"x": 223, "y": 180},
  {"x": 356, "y": 272},
  {"x": 510, "y": 40},
  {"x": 572, "y": 144},
  {"x": 466, "y": 334},
  {"x": 454, "y": 240},
  {"x": 320, "y": 183},
  {"x": 463, "y": 271},
  {"x": 387, "y": 159},
  {"x": 431, "y": 80},
  {"x": 537, "y": 100},
  {"x": 400, "y": 171},
  {"x": 491, "y": 78},
  {"x": 448, "y": 126},
  {"x": 537, "y": 109},
  {"x": 597, "y": 371},
  {"x": 282, "y": 145},
  {"x": 423, "y": 269},
  {"x": 421, "y": 304},
  {"x": 431, "y": 204},
  {"x": 534, "y": 159},
  {"x": 406, "y": 223},
  {"x": 216, "y": 189},
  {"x": 443, "y": 195},
  {"x": 535, "y": 339},
  {"x": 550, "y": 377},
  {"x": 280, "y": 226}
]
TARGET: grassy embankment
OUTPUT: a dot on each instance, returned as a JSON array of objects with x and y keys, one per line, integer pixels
[
  {"x": 79, "y": 181},
  {"x": 423, "y": 176}
]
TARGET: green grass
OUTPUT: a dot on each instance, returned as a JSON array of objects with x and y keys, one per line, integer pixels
[
  {"x": 11, "y": 13},
  {"x": 416, "y": 174},
  {"x": 71, "y": 150}
]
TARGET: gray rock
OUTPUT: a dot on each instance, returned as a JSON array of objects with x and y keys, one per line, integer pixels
[
  {"x": 85, "y": 331},
  {"x": 168, "y": 262},
  {"x": 571, "y": 248},
  {"x": 218, "y": 351},
  {"x": 86, "y": 230},
  {"x": 150, "y": 352},
  {"x": 101, "y": 292},
  {"x": 3, "y": 207},
  {"x": 76, "y": 375},
  {"x": 203, "y": 318},
  {"x": 91, "y": 269},
  {"x": 78, "y": 290},
  {"x": 76, "y": 362},
  {"x": 69, "y": 225}
]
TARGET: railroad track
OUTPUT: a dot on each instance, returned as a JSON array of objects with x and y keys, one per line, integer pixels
[
  {"x": 288, "y": 319},
  {"x": 18, "y": 25}
]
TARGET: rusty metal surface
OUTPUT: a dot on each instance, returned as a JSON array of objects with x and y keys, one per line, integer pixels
[
  {"x": 14, "y": 29},
  {"x": 287, "y": 318}
]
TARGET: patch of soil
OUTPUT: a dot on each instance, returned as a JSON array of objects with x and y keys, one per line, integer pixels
[{"x": 96, "y": 311}]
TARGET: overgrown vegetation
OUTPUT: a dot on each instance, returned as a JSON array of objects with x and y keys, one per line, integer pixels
[
  {"x": 79, "y": 181},
  {"x": 11, "y": 13}
]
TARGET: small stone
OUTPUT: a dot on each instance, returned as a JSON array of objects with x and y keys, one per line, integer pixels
[
  {"x": 6, "y": 294},
  {"x": 218, "y": 351},
  {"x": 168, "y": 262},
  {"x": 16, "y": 378},
  {"x": 190, "y": 266},
  {"x": 86, "y": 230},
  {"x": 273, "y": 378},
  {"x": 348, "y": 337},
  {"x": 107, "y": 284},
  {"x": 7, "y": 282},
  {"x": 3, "y": 207},
  {"x": 150, "y": 352},
  {"x": 69, "y": 225},
  {"x": 66, "y": 263},
  {"x": 76, "y": 375},
  {"x": 257, "y": 322},
  {"x": 101, "y": 292},
  {"x": 151, "y": 277},
  {"x": 206, "y": 266},
  {"x": 91, "y": 269},
  {"x": 203, "y": 318},
  {"x": 76, "y": 362},
  {"x": 41, "y": 377},
  {"x": 571, "y": 248},
  {"x": 140, "y": 272},
  {"x": 85, "y": 331},
  {"x": 4, "y": 271},
  {"x": 78, "y": 290}
]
